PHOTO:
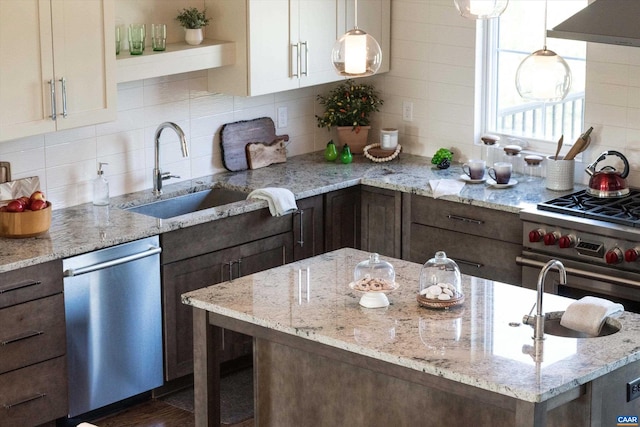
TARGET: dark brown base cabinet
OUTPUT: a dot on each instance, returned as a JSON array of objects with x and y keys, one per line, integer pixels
[
  {"x": 381, "y": 221},
  {"x": 342, "y": 219},
  {"x": 33, "y": 370},
  {"x": 209, "y": 254},
  {"x": 308, "y": 228},
  {"x": 483, "y": 242}
]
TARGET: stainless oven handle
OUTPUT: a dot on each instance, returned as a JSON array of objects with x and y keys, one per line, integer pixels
[
  {"x": 580, "y": 273},
  {"x": 100, "y": 266}
]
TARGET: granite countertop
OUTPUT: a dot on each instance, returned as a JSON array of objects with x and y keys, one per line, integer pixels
[
  {"x": 85, "y": 228},
  {"x": 473, "y": 344}
]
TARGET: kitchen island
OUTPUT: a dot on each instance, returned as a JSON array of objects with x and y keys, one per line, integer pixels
[{"x": 322, "y": 359}]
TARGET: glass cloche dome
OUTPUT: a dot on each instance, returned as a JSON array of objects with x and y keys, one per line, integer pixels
[{"x": 440, "y": 283}]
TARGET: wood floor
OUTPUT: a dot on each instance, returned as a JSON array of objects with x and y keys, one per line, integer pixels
[{"x": 156, "y": 413}]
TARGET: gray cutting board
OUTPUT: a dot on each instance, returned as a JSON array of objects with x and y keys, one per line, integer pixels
[{"x": 235, "y": 136}]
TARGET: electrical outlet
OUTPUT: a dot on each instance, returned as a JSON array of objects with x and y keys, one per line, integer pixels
[
  {"x": 407, "y": 111},
  {"x": 283, "y": 117},
  {"x": 633, "y": 389}
]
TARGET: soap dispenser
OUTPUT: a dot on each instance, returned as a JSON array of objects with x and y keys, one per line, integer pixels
[{"x": 101, "y": 188}]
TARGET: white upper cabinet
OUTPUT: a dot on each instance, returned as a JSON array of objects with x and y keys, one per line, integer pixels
[
  {"x": 58, "y": 65},
  {"x": 283, "y": 44}
]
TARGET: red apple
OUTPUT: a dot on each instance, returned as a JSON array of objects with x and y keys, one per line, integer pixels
[
  {"x": 37, "y": 195},
  {"x": 24, "y": 200},
  {"x": 37, "y": 204},
  {"x": 15, "y": 206}
]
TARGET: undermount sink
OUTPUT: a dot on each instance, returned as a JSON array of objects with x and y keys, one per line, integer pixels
[
  {"x": 188, "y": 203},
  {"x": 552, "y": 326}
]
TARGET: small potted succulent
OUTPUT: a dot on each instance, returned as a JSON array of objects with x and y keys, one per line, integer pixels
[
  {"x": 442, "y": 158},
  {"x": 193, "y": 21},
  {"x": 348, "y": 107}
]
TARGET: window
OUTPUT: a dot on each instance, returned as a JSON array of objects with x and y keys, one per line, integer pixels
[{"x": 507, "y": 41}]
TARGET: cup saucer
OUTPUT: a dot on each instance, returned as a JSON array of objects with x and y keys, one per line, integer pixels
[
  {"x": 494, "y": 184},
  {"x": 466, "y": 178}
]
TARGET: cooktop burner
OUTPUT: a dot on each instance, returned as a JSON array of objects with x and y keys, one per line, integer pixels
[{"x": 620, "y": 210}]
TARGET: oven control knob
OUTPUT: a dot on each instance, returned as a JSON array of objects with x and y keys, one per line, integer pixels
[
  {"x": 631, "y": 255},
  {"x": 551, "y": 239},
  {"x": 614, "y": 256},
  {"x": 536, "y": 236},
  {"x": 567, "y": 241}
]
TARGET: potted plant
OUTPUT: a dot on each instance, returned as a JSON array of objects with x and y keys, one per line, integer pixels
[
  {"x": 348, "y": 107},
  {"x": 193, "y": 21}
]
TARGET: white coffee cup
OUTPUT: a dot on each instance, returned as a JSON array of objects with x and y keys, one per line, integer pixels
[
  {"x": 500, "y": 172},
  {"x": 388, "y": 138},
  {"x": 474, "y": 168}
]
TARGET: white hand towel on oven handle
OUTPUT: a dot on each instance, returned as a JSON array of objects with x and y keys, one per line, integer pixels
[
  {"x": 443, "y": 187},
  {"x": 281, "y": 201},
  {"x": 588, "y": 314}
]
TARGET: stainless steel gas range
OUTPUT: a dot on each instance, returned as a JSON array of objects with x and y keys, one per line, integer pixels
[{"x": 597, "y": 239}]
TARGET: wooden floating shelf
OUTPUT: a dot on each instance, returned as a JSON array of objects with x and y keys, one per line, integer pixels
[{"x": 177, "y": 58}]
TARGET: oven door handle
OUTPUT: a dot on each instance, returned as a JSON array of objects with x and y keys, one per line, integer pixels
[{"x": 580, "y": 273}]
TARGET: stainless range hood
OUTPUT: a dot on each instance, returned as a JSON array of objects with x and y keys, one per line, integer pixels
[{"x": 603, "y": 21}]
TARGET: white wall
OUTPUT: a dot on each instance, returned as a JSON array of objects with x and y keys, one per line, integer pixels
[{"x": 433, "y": 66}]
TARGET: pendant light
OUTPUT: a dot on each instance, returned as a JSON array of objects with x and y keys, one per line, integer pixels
[
  {"x": 544, "y": 75},
  {"x": 481, "y": 9},
  {"x": 356, "y": 53}
]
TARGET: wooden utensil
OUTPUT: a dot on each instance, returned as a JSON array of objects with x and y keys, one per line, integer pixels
[
  {"x": 261, "y": 155},
  {"x": 559, "y": 147},
  {"x": 235, "y": 136},
  {"x": 580, "y": 145}
]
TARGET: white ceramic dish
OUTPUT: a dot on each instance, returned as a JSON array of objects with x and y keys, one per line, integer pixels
[
  {"x": 468, "y": 180},
  {"x": 374, "y": 299},
  {"x": 494, "y": 184}
]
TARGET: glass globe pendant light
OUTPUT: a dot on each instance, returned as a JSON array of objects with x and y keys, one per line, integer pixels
[
  {"x": 356, "y": 53},
  {"x": 544, "y": 75},
  {"x": 481, "y": 9}
]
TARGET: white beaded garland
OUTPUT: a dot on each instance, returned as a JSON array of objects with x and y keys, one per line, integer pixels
[{"x": 366, "y": 149}]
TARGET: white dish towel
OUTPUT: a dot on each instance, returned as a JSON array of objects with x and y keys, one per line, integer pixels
[
  {"x": 588, "y": 314},
  {"x": 444, "y": 187},
  {"x": 281, "y": 201}
]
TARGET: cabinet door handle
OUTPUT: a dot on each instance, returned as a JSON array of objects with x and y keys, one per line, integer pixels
[
  {"x": 301, "y": 241},
  {"x": 230, "y": 264},
  {"x": 52, "y": 89},
  {"x": 239, "y": 265},
  {"x": 464, "y": 219},
  {"x": 63, "y": 82},
  {"x": 306, "y": 59},
  {"x": 469, "y": 263},
  {"x": 19, "y": 285},
  {"x": 295, "y": 58},
  {"x": 27, "y": 400},
  {"x": 23, "y": 336}
]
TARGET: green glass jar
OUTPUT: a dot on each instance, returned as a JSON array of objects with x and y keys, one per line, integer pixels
[
  {"x": 331, "y": 152},
  {"x": 346, "y": 157}
]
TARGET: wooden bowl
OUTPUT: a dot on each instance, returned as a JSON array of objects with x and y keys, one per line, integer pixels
[{"x": 18, "y": 225}]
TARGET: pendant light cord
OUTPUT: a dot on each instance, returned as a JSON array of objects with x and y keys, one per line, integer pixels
[
  {"x": 544, "y": 44},
  {"x": 355, "y": 20}
]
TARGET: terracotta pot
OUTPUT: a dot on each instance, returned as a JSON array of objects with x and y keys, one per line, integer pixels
[
  {"x": 356, "y": 140},
  {"x": 193, "y": 36}
]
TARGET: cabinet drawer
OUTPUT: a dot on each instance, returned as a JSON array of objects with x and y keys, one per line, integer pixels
[
  {"x": 34, "y": 395},
  {"x": 224, "y": 233},
  {"x": 468, "y": 219},
  {"x": 476, "y": 256},
  {"x": 32, "y": 332},
  {"x": 25, "y": 284}
]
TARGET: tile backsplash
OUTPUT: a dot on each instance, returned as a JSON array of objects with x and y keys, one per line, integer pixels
[{"x": 432, "y": 66}]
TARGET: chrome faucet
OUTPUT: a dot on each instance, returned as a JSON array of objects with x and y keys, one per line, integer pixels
[
  {"x": 158, "y": 175},
  {"x": 537, "y": 321}
]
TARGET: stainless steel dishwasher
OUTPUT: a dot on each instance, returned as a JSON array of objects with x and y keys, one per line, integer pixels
[{"x": 114, "y": 324}]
